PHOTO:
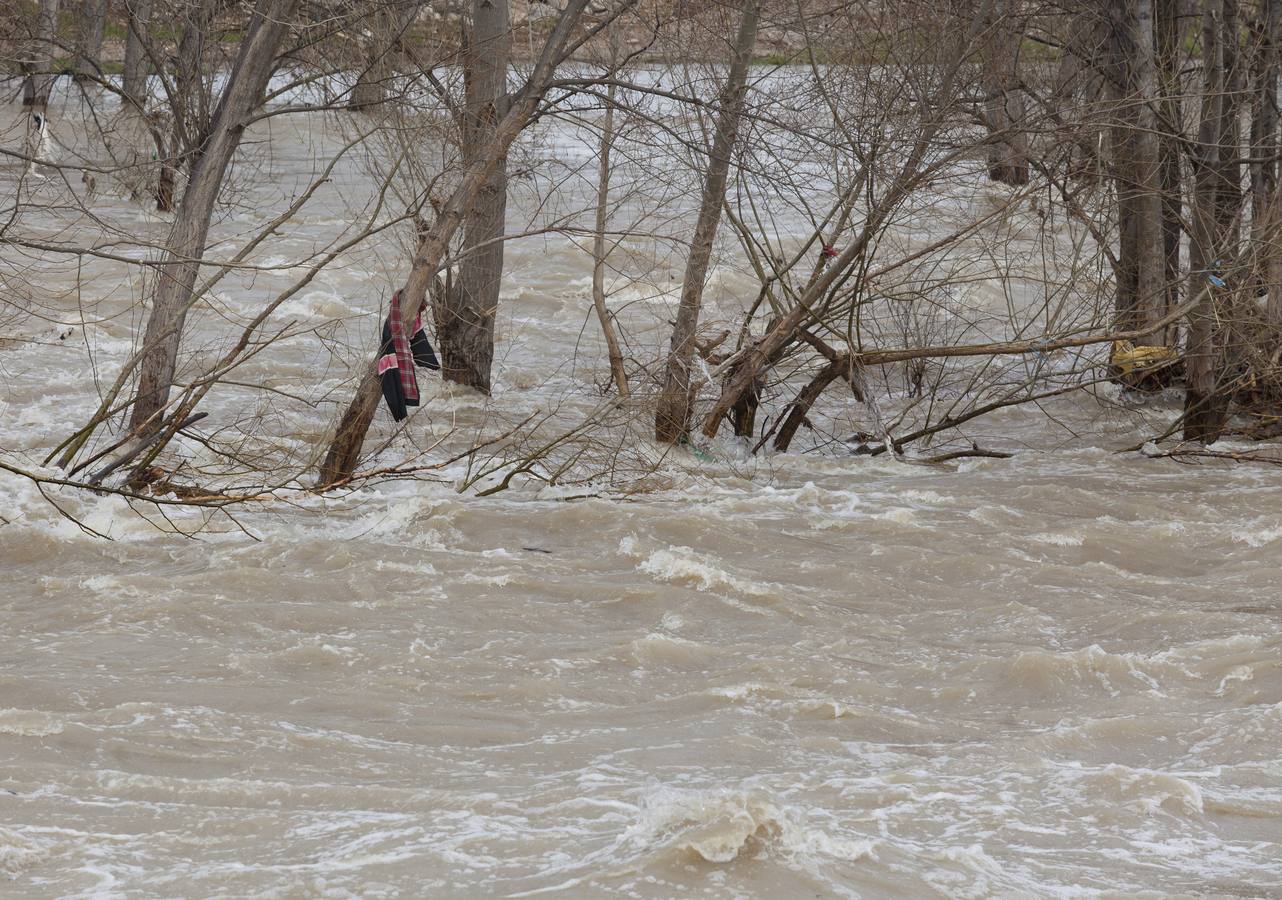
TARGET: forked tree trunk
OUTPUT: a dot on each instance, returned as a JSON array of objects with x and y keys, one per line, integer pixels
[
  {"x": 465, "y": 316},
  {"x": 137, "y": 64},
  {"x": 672, "y": 417},
  {"x": 344, "y": 450},
  {"x": 1004, "y": 101},
  {"x": 176, "y": 275},
  {"x": 89, "y": 30}
]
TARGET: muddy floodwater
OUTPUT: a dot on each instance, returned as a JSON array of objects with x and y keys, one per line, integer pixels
[{"x": 808, "y": 674}]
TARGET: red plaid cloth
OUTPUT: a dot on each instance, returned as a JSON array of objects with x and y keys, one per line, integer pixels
[{"x": 401, "y": 346}]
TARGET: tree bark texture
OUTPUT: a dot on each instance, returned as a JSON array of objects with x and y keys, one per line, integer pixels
[
  {"x": 1168, "y": 39},
  {"x": 465, "y": 316},
  {"x": 1141, "y": 294}
]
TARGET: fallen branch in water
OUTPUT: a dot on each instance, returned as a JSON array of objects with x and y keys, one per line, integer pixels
[
  {"x": 1180, "y": 454},
  {"x": 974, "y": 451}
]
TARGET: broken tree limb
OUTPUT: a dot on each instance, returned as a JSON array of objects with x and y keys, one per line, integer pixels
[
  {"x": 997, "y": 348},
  {"x": 131, "y": 448}
]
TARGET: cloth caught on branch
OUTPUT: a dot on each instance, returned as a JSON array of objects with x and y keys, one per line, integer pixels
[
  {"x": 401, "y": 347},
  {"x": 397, "y": 358}
]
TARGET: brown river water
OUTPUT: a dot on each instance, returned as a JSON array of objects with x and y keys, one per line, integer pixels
[{"x": 807, "y": 675}]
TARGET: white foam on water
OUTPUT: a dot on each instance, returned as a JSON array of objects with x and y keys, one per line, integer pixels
[
  {"x": 682, "y": 565},
  {"x": 20, "y": 852},
  {"x": 1258, "y": 534},
  {"x": 721, "y": 825},
  {"x": 1058, "y": 539},
  {"x": 1092, "y": 665},
  {"x": 30, "y": 722}
]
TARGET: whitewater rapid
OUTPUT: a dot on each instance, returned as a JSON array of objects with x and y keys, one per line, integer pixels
[{"x": 804, "y": 674}]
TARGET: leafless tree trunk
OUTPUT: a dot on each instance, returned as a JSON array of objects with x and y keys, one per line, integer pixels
[
  {"x": 744, "y": 377},
  {"x": 800, "y": 407},
  {"x": 1264, "y": 154},
  {"x": 599, "y": 252},
  {"x": 1004, "y": 100},
  {"x": 189, "y": 92},
  {"x": 1230, "y": 144},
  {"x": 1168, "y": 40},
  {"x": 176, "y": 275},
  {"x": 92, "y": 18},
  {"x": 1215, "y": 172},
  {"x": 1142, "y": 296},
  {"x": 39, "y": 61},
  {"x": 389, "y": 23},
  {"x": 465, "y": 316},
  {"x": 672, "y": 417},
  {"x": 370, "y": 90},
  {"x": 137, "y": 64},
  {"x": 345, "y": 448}
]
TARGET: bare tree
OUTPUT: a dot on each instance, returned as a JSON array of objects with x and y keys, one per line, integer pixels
[
  {"x": 672, "y": 416},
  {"x": 832, "y": 293},
  {"x": 465, "y": 316},
  {"x": 344, "y": 451},
  {"x": 599, "y": 251},
  {"x": 185, "y": 246},
  {"x": 1216, "y": 197},
  {"x": 1132, "y": 75},
  {"x": 1266, "y": 216}
]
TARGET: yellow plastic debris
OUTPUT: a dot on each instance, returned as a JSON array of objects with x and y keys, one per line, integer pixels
[{"x": 1129, "y": 359}]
